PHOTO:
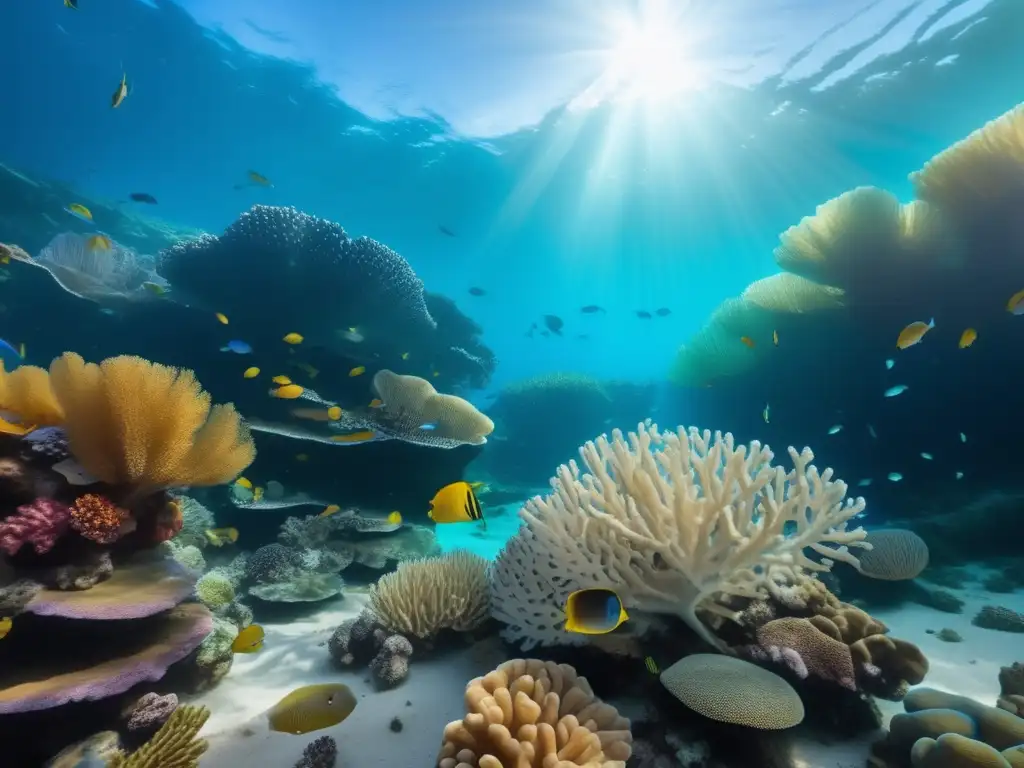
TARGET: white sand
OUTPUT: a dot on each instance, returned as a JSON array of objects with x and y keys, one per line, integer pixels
[{"x": 294, "y": 655}]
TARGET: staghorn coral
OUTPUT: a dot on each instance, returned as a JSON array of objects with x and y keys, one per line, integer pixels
[
  {"x": 528, "y": 714},
  {"x": 175, "y": 745},
  {"x": 147, "y": 426},
  {"x": 96, "y": 518},
  {"x": 425, "y": 596},
  {"x": 674, "y": 522},
  {"x": 39, "y": 524}
]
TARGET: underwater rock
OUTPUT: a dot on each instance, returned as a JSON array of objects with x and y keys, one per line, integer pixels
[
  {"x": 999, "y": 618},
  {"x": 300, "y": 588},
  {"x": 356, "y": 641},
  {"x": 939, "y": 599},
  {"x": 150, "y": 712},
  {"x": 48, "y": 442},
  {"x": 1011, "y": 689},
  {"x": 319, "y": 753},
  {"x": 391, "y": 664},
  {"x": 15, "y": 596},
  {"x": 85, "y": 572}
]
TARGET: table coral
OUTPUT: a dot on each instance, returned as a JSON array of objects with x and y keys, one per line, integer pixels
[{"x": 38, "y": 524}]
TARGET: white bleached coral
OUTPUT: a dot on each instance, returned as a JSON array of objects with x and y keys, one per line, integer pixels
[{"x": 673, "y": 521}]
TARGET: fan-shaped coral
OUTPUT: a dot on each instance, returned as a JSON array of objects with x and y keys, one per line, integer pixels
[
  {"x": 26, "y": 392},
  {"x": 791, "y": 294},
  {"x": 718, "y": 351},
  {"x": 528, "y": 714}
]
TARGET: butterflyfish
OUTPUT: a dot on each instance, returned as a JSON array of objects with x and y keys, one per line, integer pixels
[
  {"x": 363, "y": 436},
  {"x": 359, "y": 370},
  {"x": 436, "y": 374},
  {"x": 913, "y": 333},
  {"x": 748, "y": 341},
  {"x": 282, "y": 380},
  {"x": 329, "y": 510},
  {"x": 80, "y": 211},
  {"x": 143, "y": 197},
  {"x": 18, "y": 430},
  {"x": 221, "y": 318},
  {"x": 218, "y": 537},
  {"x": 251, "y": 373},
  {"x": 244, "y": 482},
  {"x": 395, "y": 518},
  {"x": 248, "y": 640},
  {"x": 99, "y": 243},
  {"x": 334, "y": 413},
  {"x": 311, "y": 708},
  {"x": 121, "y": 93},
  {"x": 5, "y": 626},
  {"x": 1015, "y": 306},
  {"x": 292, "y": 338},
  {"x": 596, "y": 611},
  {"x": 967, "y": 338},
  {"x": 455, "y": 503},
  {"x": 287, "y": 392}
]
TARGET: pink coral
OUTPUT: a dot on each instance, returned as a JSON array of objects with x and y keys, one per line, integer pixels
[{"x": 40, "y": 524}]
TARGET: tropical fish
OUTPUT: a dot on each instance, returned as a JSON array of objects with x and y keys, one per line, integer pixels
[
  {"x": 554, "y": 324},
  {"x": 329, "y": 510},
  {"x": 22, "y": 350},
  {"x": 926, "y": 456},
  {"x": 79, "y": 211},
  {"x": 143, "y": 197},
  {"x": 99, "y": 243},
  {"x": 292, "y": 338},
  {"x": 889, "y": 364},
  {"x": 405, "y": 355},
  {"x": 334, "y": 413},
  {"x": 363, "y": 436},
  {"x": 258, "y": 178},
  {"x": 836, "y": 429},
  {"x": 257, "y": 493},
  {"x": 221, "y": 318},
  {"x": 865, "y": 482},
  {"x": 221, "y": 536},
  {"x": 895, "y": 477},
  {"x": 959, "y": 475},
  {"x": 775, "y": 338},
  {"x": 435, "y": 374},
  {"x": 967, "y": 338},
  {"x": 394, "y": 518},
  {"x": 251, "y": 373},
  {"x": 282, "y": 380},
  {"x": 311, "y": 708},
  {"x": 5, "y": 626},
  {"x": 154, "y": 288},
  {"x": 445, "y": 231},
  {"x": 595, "y": 611},
  {"x": 643, "y": 314},
  {"x": 1015, "y": 306},
  {"x": 248, "y": 640},
  {"x": 871, "y": 431},
  {"x": 474, "y": 291},
  {"x": 652, "y": 665},
  {"x": 7, "y": 349},
  {"x": 237, "y": 346},
  {"x": 376, "y": 403},
  {"x": 121, "y": 93},
  {"x": 359, "y": 370},
  {"x": 72, "y": 4},
  {"x": 591, "y": 309},
  {"x": 913, "y": 333},
  {"x": 766, "y": 413},
  {"x": 19, "y": 430},
  {"x": 748, "y": 341},
  {"x": 244, "y": 482},
  {"x": 899, "y": 389},
  {"x": 287, "y": 392},
  {"x": 455, "y": 503},
  {"x": 352, "y": 334},
  {"x": 963, "y": 438},
  {"x": 663, "y": 312}
]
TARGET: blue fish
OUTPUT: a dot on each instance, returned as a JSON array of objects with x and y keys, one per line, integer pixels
[
  {"x": 899, "y": 389},
  {"x": 428, "y": 426},
  {"x": 10, "y": 356},
  {"x": 238, "y": 347}
]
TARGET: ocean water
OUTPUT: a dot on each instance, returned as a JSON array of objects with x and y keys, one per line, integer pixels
[{"x": 566, "y": 203}]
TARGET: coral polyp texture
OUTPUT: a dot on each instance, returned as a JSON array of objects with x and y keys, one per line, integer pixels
[
  {"x": 38, "y": 525},
  {"x": 96, "y": 518},
  {"x": 532, "y": 714},
  {"x": 675, "y": 522}
]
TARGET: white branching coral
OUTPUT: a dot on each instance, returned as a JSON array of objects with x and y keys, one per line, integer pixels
[{"x": 673, "y": 521}]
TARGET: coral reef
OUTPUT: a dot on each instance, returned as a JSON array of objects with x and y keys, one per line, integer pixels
[
  {"x": 535, "y": 713},
  {"x": 175, "y": 745},
  {"x": 150, "y": 712},
  {"x": 319, "y": 753},
  {"x": 38, "y": 524}
]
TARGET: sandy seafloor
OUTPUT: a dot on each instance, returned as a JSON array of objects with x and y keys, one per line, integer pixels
[{"x": 295, "y": 654}]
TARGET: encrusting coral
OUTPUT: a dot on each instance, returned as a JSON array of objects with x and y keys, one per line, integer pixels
[
  {"x": 535, "y": 714},
  {"x": 674, "y": 522}
]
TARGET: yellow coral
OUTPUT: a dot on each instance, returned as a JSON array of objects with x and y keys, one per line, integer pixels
[
  {"x": 26, "y": 391},
  {"x": 174, "y": 746},
  {"x": 529, "y": 713},
  {"x": 133, "y": 422}
]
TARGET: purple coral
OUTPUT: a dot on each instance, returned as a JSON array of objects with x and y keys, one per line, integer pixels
[
  {"x": 40, "y": 524},
  {"x": 151, "y": 711}
]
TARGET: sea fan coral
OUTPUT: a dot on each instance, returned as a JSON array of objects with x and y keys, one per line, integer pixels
[
  {"x": 96, "y": 518},
  {"x": 26, "y": 392},
  {"x": 40, "y": 524}
]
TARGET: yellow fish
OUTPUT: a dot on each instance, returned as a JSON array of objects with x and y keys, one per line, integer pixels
[
  {"x": 395, "y": 518},
  {"x": 329, "y": 510},
  {"x": 287, "y": 392},
  {"x": 99, "y": 243},
  {"x": 282, "y": 380},
  {"x": 311, "y": 708},
  {"x": 259, "y": 178},
  {"x": 365, "y": 436},
  {"x": 257, "y": 493},
  {"x": 80, "y": 211},
  {"x": 20, "y": 430},
  {"x": 652, "y": 665},
  {"x": 596, "y": 611},
  {"x": 302, "y": 457},
  {"x": 1015, "y": 305},
  {"x": 121, "y": 93},
  {"x": 748, "y": 341},
  {"x": 292, "y": 338},
  {"x": 5, "y": 256},
  {"x": 967, "y": 338},
  {"x": 913, "y": 333},
  {"x": 376, "y": 403},
  {"x": 251, "y": 373},
  {"x": 455, "y": 503},
  {"x": 436, "y": 374},
  {"x": 221, "y": 318},
  {"x": 249, "y": 640},
  {"x": 359, "y": 370},
  {"x": 405, "y": 355},
  {"x": 334, "y": 413},
  {"x": 244, "y": 482},
  {"x": 5, "y": 626},
  {"x": 155, "y": 288},
  {"x": 221, "y": 536}
]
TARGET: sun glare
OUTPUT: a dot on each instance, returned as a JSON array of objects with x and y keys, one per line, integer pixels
[{"x": 649, "y": 61}]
